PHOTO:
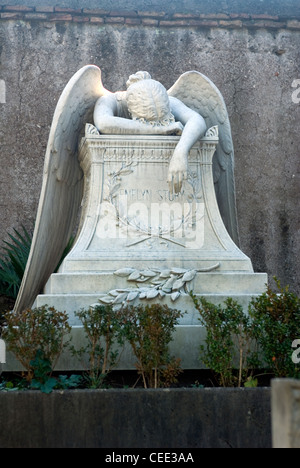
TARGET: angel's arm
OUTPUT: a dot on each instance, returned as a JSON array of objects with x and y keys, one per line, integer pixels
[
  {"x": 107, "y": 121},
  {"x": 194, "y": 128},
  {"x": 194, "y": 124}
]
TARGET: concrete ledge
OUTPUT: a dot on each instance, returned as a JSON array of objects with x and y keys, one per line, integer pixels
[
  {"x": 205, "y": 283},
  {"x": 136, "y": 418},
  {"x": 74, "y": 302}
]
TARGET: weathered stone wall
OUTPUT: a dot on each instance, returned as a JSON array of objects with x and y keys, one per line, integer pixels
[
  {"x": 137, "y": 418},
  {"x": 251, "y": 50}
]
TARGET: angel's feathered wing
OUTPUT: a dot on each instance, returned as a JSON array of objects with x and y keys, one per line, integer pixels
[
  {"x": 62, "y": 185},
  {"x": 200, "y": 94}
]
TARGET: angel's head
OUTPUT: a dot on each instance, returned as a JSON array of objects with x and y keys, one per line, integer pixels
[{"x": 148, "y": 100}]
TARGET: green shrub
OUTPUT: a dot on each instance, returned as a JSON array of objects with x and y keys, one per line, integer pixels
[
  {"x": 228, "y": 341},
  {"x": 102, "y": 330},
  {"x": 42, "y": 379},
  {"x": 149, "y": 331},
  {"x": 275, "y": 325},
  {"x": 34, "y": 333},
  {"x": 237, "y": 343}
]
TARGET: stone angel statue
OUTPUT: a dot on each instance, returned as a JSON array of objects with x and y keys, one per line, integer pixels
[{"x": 188, "y": 108}]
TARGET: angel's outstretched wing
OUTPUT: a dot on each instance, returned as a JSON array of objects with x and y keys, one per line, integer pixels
[
  {"x": 62, "y": 185},
  {"x": 200, "y": 94}
]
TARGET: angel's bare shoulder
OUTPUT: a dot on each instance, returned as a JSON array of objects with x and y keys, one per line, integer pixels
[
  {"x": 107, "y": 104},
  {"x": 182, "y": 112}
]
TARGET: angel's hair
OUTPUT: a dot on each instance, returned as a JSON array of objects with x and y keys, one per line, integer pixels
[
  {"x": 138, "y": 76},
  {"x": 148, "y": 101}
]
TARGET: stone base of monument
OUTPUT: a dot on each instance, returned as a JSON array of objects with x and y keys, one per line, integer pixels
[{"x": 139, "y": 243}]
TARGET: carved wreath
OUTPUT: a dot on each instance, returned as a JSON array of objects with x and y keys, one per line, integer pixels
[{"x": 113, "y": 185}]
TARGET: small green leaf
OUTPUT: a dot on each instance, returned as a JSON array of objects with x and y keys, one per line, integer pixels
[
  {"x": 251, "y": 383},
  {"x": 48, "y": 386}
]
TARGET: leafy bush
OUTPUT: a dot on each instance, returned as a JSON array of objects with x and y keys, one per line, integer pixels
[
  {"x": 102, "y": 329},
  {"x": 41, "y": 368},
  {"x": 34, "y": 333},
  {"x": 228, "y": 341},
  {"x": 275, "y": 325},
  {"x": 12, "y": 265},
  {"x": 42, "y": 379},
  {"x": 149, "y": 331}
]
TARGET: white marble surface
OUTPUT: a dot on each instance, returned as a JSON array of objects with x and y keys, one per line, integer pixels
[
  {"x": 129, "y": 247},
  {"x": 131, "y": 219}
]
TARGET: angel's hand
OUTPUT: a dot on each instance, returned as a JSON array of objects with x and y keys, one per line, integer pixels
[
  {"x": 177, "y": 171},
  {"x": 173, "y": 128}
]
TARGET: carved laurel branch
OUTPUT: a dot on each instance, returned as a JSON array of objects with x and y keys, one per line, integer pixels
[
  {"x": 113, "y": 182},
  {"x": 159, "y": 283}
]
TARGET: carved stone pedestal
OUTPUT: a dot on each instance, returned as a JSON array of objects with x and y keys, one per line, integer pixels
[{"x": 138, "y": 242}]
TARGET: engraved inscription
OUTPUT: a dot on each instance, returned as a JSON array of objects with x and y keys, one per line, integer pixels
[{"x": 153, "y": 217}]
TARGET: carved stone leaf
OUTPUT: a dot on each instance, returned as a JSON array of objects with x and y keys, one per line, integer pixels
[
  {"x": 113, "y": 293},
  {"x": 189, "y": 275},
  {"x": 115, "y": 189},
  {"x": 165, "y": 274},
  {"x": 134, "y": 275},
  {"x": 125, "y": 171},
  {"x": 188, "y": 287},
  {"x": 178, "y": 284},
  {"x": 120, "y": 298},
  {"x": 148, "y": 273},
  {"x": 175, "y": 295},
  {"x": 178, "y": 271},
  {"x": 124, "y": 271},
  {"x": 106, "y": 299},
  {"x": 169, "y": 283},
  {"x": 152, "y": 293},
  {"x": 132, "y": 295},
  {"x": 142, "y": 280}
]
